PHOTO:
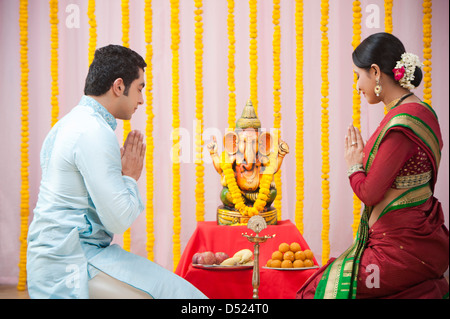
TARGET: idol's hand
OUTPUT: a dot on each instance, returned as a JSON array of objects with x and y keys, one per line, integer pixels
[
  {"x": 133, "y": 154},
  {"x": 353, "y": 147},
  {"x": 212, "y": 147},
  {"x": 283, "y": 149}
]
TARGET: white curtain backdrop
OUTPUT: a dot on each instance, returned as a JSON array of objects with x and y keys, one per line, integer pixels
[{"x": 73, "y": 65}]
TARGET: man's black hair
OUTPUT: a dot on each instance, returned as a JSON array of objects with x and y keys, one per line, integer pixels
[{"x": 110, "y": 63}]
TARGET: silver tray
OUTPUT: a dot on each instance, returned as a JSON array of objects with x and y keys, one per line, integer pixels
[
  {"x": 219, "y": 267},
  {"x": 301, "y": 268}
]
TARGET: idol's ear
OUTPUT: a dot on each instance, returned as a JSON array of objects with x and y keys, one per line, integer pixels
[
  {"x": 230, "y": 141},
  {"x": 265, "y": 143}
]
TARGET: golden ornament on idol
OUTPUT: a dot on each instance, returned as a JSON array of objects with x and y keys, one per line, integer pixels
[{"x": 247, "y": 166}]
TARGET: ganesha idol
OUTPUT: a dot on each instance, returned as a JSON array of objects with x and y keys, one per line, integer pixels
[{"x": 247, "y": 166}]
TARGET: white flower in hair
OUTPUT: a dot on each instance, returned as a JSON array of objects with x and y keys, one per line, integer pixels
[{"x": 404, "y": 70}]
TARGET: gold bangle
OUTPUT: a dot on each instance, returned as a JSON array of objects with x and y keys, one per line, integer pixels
[{"x": 355, "y": 168}]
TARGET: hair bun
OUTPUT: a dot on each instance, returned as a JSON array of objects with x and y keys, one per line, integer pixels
[
  {"x": 418, "y": 75},
  {"x": 408, "y": 71}
]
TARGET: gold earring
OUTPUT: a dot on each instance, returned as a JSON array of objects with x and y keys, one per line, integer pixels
[
  {"x": 377, "y": 88},
  {"x": 357, "y": 89}
]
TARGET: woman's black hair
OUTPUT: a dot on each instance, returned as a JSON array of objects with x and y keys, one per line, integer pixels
[
  {"x": 384, "y": 50},
  {"x": 110, "y": 63}
]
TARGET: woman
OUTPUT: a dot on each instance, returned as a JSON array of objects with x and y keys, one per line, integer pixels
[{"x": 401, "y": 248}]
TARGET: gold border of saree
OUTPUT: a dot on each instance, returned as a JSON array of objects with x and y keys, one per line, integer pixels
[{"x": 420, "y": 128}]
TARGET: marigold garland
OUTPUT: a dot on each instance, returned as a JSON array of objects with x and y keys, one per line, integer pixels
[
  {"x": 54, "y": 60},
  {"x": 92, "y": 30},
  {"x": 199, "y": 167},
  {"x": 356, "y": 39},
  {"x": 125, "y": 23},
  {"x": 388, "y": 20},
  {"x": 126, "y": 123},
  {"x": 24, "y": 145},
  {"x": 253, "y": 54},
  {"x": 324, "y": 7},
  {"x": 231, "y": 65},
  {"x": 388, "y": 15},
  {"x": 236, "y": 194},
  {"x": 149, "y": 130},
  {"x": 299, "y": 145},
  {"x": 276, "y": 44},
  {"x": 427, "y": 14},
  {"x": 175, "y": 37}
]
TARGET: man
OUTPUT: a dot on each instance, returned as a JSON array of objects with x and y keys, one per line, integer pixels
[{"x": 89, "y": 192}]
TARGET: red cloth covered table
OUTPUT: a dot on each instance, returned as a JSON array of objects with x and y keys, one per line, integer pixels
[{"x": 237, "y": 284}]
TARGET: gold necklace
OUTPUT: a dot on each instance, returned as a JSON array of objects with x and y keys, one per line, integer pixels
[{"x": 396, "y": 102}]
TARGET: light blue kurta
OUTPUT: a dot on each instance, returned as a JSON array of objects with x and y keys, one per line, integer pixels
[{"x": 83, "y": 200}]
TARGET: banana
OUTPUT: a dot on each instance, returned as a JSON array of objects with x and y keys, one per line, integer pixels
[
  {"x": 233, "y": 261},
  {"x": 248, "y": 263},
  {"x": 244, "y": 255}
]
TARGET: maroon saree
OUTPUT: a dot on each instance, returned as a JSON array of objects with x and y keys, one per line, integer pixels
[{"x": 405, "y": 253}]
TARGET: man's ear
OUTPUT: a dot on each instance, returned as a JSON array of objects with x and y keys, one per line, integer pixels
[{"x": 118, "y": 87}]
